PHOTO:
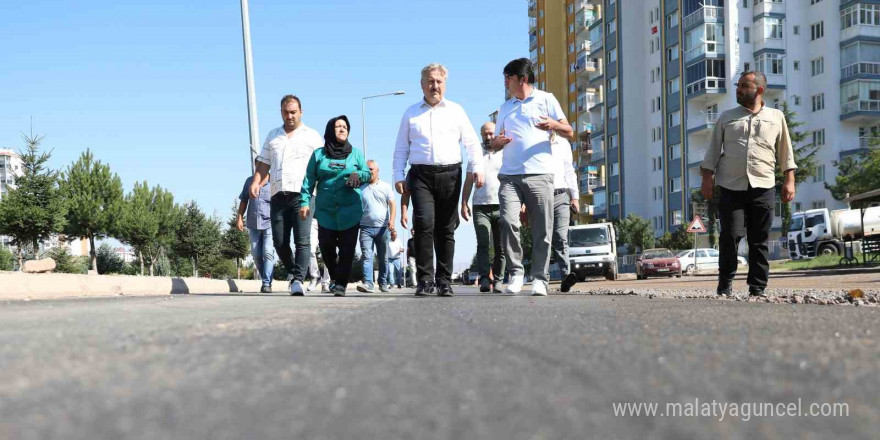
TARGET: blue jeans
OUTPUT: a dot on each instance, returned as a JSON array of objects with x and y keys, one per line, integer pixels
[
  {"x": 263, "y": 252},
  {"x": 371, "y": 235},
  {"x": 396, "y": 272}
]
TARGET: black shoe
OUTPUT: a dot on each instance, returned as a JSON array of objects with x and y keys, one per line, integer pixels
[
  {"x": 724, "y": 290},
  {"x": 338, "y": 290},
  {"x": 495, "y": 288},
  {"x": 445, "y": 290},
  {"x": 485, "y": 285},
  {"x": 266, "y": 289},
  {"x": 424, "y": 289},
  {"x": 567, "y": 282},
  {"x": 757, "y": 292}
]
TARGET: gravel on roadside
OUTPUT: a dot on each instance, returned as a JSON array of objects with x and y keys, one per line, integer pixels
[{"x": 855, "y": 297}]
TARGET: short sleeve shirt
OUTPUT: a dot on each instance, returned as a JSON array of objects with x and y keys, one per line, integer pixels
[
  {"x": 529, "y": 152},
  {"x": 258, "y": 208},
  {"x": 376, "y": 199},
  {"x": 288, "y": 156},
  {"x": 488, "y": 194}
]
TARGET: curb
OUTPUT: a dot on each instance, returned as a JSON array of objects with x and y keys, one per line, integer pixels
[{"x": 24, "y": 286}]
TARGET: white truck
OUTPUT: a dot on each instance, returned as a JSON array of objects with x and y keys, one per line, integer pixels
[
  {"x": 592, "y": 250},
  {"x": 820, "y": 232}
]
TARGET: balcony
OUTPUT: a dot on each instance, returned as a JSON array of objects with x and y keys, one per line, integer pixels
[
  {"x": 775, "y": 81},
  {"x": 594, "y": 69},
  {"x": 860, "y": 106},
  {"x": 762, "y": 43},
  {"x": 695, "y": 157},
  {"x": 702, "y": 124},
  {"x": 707, "y": 50},
  {"x": 706, "y": 14},
  {"x": 706, "y": 85},
  {"x": 598, "y": 155},
  {"x": 584, "y": 47},
  {"x": 594, "y": 97},
  {"x": 860, "y": 30},
  {"x": 533, "y": 8},
  {"x": 768, "y": 7},
  {"x": 533, "y": 23},
  {"x": 533, "y": 40},
  {"x": 860, "y": 68},
  {"x": 595, "y": 128}
]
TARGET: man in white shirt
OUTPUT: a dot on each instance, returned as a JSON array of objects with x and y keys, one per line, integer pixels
[
  {"x": 565, "y": 202},
  {"x": 378, "y": 201},
  {"x": 283, "y": 161},
  {"x": 395, "y": 260},
  {"x": 487, "y": 216},
  {"x": 526, "y": 123},
  {"x": 431, "y": 134}
]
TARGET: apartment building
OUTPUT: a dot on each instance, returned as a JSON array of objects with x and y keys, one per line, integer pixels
[{"x": 10, "y": 168}]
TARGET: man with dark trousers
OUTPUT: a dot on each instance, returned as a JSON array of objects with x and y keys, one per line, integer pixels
[
  {"x": 431, "y": 134},
  {"x": 747, "y": 144}
]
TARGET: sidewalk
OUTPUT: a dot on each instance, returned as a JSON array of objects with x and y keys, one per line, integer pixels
[{"x": 23, "y": 286}]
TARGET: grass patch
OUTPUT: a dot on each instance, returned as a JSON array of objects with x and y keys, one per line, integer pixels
[{"x": 820, "y": 262}]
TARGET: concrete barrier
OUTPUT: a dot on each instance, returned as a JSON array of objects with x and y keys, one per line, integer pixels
[{"x": 24, "y": 286}]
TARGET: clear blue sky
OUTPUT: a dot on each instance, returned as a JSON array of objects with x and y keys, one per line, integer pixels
[{"x": 156, "y": 89}]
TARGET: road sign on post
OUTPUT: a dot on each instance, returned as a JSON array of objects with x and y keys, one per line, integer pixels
[{"x": 697, "y": 225}]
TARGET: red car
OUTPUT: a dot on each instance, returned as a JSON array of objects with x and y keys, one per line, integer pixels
[{"x": 657, "y": 262}]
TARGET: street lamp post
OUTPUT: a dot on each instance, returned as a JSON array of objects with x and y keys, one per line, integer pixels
[
  {"x": 249, "y": 80},
  {"x": 364, "y": 115}
]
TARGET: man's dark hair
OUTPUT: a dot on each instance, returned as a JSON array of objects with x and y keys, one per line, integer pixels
[
  {"x": 760, "y": 79},
  {"x": 287, "y": 98},
  {"x": 521, "y": 67}
]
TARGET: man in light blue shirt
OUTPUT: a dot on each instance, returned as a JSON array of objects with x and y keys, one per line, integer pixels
[
  {"x": 527, "y": 123},
  {"x": 378, "y": 220},
  {"x": 259, "y": 226}
]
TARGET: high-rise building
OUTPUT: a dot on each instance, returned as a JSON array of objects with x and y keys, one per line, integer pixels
[
  {"x": 10, "y": 168},
  {"x": 648, "y": 79}
]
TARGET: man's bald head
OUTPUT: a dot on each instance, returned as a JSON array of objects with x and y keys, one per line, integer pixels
[{"x": 487, "y": 131}]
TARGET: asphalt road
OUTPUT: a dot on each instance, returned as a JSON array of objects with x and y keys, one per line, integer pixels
[{"x": 237, "y": 366}]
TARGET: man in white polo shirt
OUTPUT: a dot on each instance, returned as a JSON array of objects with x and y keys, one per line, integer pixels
[
  {"x": 284, "y": 157},
  {"x": 431, "y": 134},
  {"x": 526, "y": 123},
  {"x": 565, "y": 202}
]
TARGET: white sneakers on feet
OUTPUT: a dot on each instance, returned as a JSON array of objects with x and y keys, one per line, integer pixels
[
  {"x": 539, "y": 288},
  {"x": 515, "y": 284},
  {"x": 325, "y": 288},
  {"x": 313, "y": 284},
  {"x": 296, "y": 288}
]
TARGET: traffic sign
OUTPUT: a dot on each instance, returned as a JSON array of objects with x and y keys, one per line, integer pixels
[{"x": 697, "y": 225}]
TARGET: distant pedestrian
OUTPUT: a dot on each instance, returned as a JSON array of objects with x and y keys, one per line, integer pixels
[
  {"x": 395, "y": 260},
  {"x": 526, "y": 123},
  {"x": 486, "y": 213},
  {"x": 336, "y": 171},
  {"x": 259, "y": 229},
  {"x": 565, "y": 203},
  {"x": 283, "y": 158},
  {"x": 411, "y": 261},
  {"x": 747, "y": 144},
  {"x": 315, "y": 273},
  {"x": 431, "y": 134},
  {"x": 377, "y": 221}
]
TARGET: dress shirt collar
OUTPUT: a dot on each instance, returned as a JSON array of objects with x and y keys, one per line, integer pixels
[
  {"x": 749, "y": 111},
  {"x": 528, "y": 97},
  {"x": 442, "y": 103}
]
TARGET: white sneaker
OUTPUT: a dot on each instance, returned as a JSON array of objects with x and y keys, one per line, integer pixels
[
  {"x": 296, "y": 288},
  {"x": 515, "y": 284},
  {"x": 325, "y": 288},
  {"x": 539, "y": 288},
  {"x": 312, "y": 286}
]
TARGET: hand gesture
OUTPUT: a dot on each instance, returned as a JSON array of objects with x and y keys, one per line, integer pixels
[
  {"x": 500, "y": 141},
  {"x": 546, "y": 124}
]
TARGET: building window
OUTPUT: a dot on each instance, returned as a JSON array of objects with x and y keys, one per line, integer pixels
[
  {"x": 860, "y": 14},
  {"x": 817, "y": 30},
  {"x": 796, "y": 30},
  {"x": 772, "y": 28},
  {"x": 796, "y": 65},
  {"x": 612, "y": 56},
  {"x": 747, "y": 34},
  {"x": 817, "y": 66},
  {"x": 572, "y": 107},
  {"x": 818, "y": 102},
  {"x": 818, "y": 204},
  {"x": 612, "y": 84},
  {"x": 770, "y": 63},
  {"x": 797, "y": 100},
  {"x": 612, "y": 112},
  {"x": 674, "y": 151},
  {"x": 675, "y": 217},
  {"x": 819, "y": 137},
  {"x": 820, "y": 174},
  {"x": 612, "y": 27},
  {"x": 615, "y": 168},
  {"x": 673, "y": 119},
  {"x": 672, "y": 53},
  {"x": 747, "y": 67},
  {"x": 572, "y": 87},
  {"x": 673, "y": 85},
  {"x": 615, "y": 198},
  {"x": 674, "y": 185},
  {"x": 570, "y": 47},
  {"x": 672, "y": 20}
]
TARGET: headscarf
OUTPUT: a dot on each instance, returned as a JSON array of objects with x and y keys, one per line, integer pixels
[{"x": 332, "y": 147}]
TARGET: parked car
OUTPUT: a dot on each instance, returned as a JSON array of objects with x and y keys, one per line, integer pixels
[
  {"x": 707, "y": 258},
  {"x": 658, "y": 261}
]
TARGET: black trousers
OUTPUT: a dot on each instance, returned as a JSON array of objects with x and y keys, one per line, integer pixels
[
  {"x": 284, "y": 216},
  {"x": 435, "y": 192},
  {"x": 344, "y": 241},
  {"x": 747, "y": 214}
]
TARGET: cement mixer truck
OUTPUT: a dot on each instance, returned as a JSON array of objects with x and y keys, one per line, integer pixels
[{"x": 820, "y": 232}]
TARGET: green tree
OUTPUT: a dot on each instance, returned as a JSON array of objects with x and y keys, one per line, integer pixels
[
  {"x": 197, "y": 235},
  {"x": 94, "y": 201},
  {"x": 7, "y": 260},
  {"x": 804, "y": 158},
  {"x": 34, "y": 209},
  {"x": 147, "y": 222},
  {"x": 856, "y": 175},
  {"x": 65, "y": 262},
  {"x": 234, "y": 243},
  {"x": 108, "y": 261},
  {"x": 635, "y": 232},
  {"x": 677, "y": 240}
]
